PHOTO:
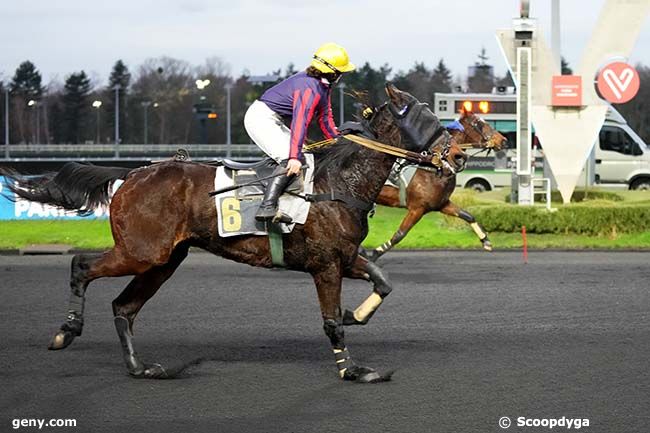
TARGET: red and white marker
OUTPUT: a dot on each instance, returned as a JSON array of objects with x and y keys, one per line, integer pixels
[{"x": 618, "y": 82}]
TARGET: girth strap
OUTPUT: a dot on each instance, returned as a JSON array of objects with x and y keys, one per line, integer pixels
[{"x": 277, "y": 247}]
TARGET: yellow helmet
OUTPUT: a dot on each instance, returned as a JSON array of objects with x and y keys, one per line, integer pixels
[{"x": 330, "y": 58}]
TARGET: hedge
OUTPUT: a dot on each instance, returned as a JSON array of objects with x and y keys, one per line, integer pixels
[
  {"x": 579, "y": 195},
  {"x": 589, "y": 218}
]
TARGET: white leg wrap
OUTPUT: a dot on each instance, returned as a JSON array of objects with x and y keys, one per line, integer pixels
[
  {"x": 477, "y": 229},
  {"x": 368, "y": 307}
]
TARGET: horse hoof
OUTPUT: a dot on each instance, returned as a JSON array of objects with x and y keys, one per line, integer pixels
[
  {"x": 365, "y": 375},
  {"x": 487, "y": 245},
  {"x": 61, "y": 340},
  {"x": 155, "y": 371},
  {"x": 149, "y": 371},
  {"x": 349, "y": 319}
]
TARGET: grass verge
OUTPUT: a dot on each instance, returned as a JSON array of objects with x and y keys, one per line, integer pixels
[
  {"x": 433, "y": 231},
  {"x": 84, "y": 234}
]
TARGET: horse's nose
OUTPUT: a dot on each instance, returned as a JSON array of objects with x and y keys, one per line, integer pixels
[{"x": 460, "y": 159}]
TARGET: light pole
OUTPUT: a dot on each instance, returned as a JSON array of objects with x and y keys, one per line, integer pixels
[
  {"x": 228, "y": 87},
  {"x": 7, "y": 123},
  {"x": 200, "y": 85},
  {"x": 117, "y": 88},
  {"x": 145, "y": 106},
  {"x": 32, "y": 103},
  {"x": 96, "y": 105},
  {"x": 341, "y": 102}
]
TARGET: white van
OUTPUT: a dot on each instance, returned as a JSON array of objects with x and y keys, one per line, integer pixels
[{"x": 621, "y": 156}]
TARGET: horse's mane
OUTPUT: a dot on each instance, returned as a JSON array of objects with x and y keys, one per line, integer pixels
[{"x": 339, "y": 155}]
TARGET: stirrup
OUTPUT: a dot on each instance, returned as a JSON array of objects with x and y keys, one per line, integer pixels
[{"x": 281, "y": 217}]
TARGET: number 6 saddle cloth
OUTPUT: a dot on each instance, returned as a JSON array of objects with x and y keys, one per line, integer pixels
[{"x": 236, "y": 209}]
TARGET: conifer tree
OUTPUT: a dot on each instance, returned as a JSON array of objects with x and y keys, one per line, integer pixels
[
  {"x": 120, "y": 76},
  {"x": 76, "y": 106}
]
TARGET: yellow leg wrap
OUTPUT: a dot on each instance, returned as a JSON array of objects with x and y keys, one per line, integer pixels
[
  {"x": 477, "y": 229},
  {"x": 343, "y": 360},
  {"x": 368, "y": 307}
]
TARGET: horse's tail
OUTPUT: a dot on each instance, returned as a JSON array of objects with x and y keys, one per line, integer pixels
[{"x": 77, "y": 186}]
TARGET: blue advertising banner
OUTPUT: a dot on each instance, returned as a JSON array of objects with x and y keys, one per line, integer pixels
[{"x": 28, "y": 210}]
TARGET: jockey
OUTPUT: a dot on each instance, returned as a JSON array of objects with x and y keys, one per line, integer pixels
[{"x": 298, "y": 98}]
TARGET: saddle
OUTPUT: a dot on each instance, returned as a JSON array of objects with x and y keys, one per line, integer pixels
[{"x": 244, "y": 173}]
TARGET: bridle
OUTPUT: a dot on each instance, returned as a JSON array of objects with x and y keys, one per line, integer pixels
[
  {"x": 435, "y": 155},
  {"x": 441, "y": 141},
  {"x": 487, "y": 142}
]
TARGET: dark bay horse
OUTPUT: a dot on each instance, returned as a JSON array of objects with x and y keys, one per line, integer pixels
[
  {"x": 429, "y": 191},
  {"x": 160, "y": 211}
]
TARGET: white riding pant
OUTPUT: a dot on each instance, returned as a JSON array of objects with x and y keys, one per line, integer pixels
[{"x": 268, "y": 131}]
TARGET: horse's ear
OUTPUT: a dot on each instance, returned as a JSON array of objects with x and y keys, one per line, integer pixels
[{"x": 392, "y": 91}]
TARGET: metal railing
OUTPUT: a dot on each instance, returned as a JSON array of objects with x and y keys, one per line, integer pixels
[{"x": 62, "y": 152}]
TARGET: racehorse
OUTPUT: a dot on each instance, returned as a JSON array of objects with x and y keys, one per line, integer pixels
[
  {"x": 160, "y": 211},
  {"x": 430, "y": 191}
]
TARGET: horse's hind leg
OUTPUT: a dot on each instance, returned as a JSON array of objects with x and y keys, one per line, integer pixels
[
  {"x": 127, "y": 305},
  {"x": 367, "y": 270},
  {"x": 412, "y": 217},
  {"x": 84, "y": 269},
  {"x": 452, "y": 209}
]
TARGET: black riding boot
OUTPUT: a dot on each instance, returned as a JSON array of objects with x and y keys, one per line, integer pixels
[{"x": 269, "y": 207}]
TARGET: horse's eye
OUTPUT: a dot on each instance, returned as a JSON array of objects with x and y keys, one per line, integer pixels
[{"x": 403, "y": 110}]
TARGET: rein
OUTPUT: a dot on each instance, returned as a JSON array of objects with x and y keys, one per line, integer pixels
[{"x": 425, "y": 158}]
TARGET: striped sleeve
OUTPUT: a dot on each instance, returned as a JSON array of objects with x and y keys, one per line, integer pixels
[
  {"x": 304, "y": 104},
  {"x": 325, "y": 119}
]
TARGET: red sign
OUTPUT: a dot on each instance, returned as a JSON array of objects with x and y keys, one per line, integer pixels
[
  {"x": 618, "y": 82},
  {"x": 567, "y": 91}
]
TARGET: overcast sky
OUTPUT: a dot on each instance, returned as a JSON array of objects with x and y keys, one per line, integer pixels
[{"x": 64, "y": 36}]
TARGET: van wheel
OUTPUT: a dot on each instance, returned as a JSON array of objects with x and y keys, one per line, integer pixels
[
  {"x": 641, "y": 184},
  {"x": 479, "y": 185}
]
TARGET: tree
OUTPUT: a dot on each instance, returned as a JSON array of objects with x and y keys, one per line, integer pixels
[
  {"x": 2, "y": 111},
  {"x": 481, "y": 75},
  {"x": 76, "y": 106},
  {"x": 120, "y": 76},
  {"x": 441, "y": 78},
  {"x": 27, "y": 82},
  {"x": 417, "y": 81},
  {"x": 566, "y": 69},
  {"x": 290, "y": 70},
  {"x": 637, "y": 111},
  {"x": 505, "y": 81},
  {"x": 169, "y": 83},
  {"x": 25, "y": 86},
  {"x": 367, "y": 80}
]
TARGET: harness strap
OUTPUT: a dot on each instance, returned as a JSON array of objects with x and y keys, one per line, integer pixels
[
  {"x": 366, "y": 142},
  {"x": 395, "y": 151},
  {"x": 277, "y": 247},
  {"x": 336, "y": 196},
  {"x": 471, "y": 145}
]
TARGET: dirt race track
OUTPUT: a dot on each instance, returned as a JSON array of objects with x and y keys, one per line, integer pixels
[{"x": 473, "y": 337}]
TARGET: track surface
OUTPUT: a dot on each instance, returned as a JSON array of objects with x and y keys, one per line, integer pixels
[{"x": 474, "y": 336}]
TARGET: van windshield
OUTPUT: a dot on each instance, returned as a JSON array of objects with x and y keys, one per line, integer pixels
[{"x": 615, "y": 139}]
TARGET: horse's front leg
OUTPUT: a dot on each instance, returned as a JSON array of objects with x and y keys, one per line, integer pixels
[
  {"x": 328, "y": 285},
  {"x": 412, "y": 217},
  {"x": 452, "y": 210},
  {"x": 367, "y": 270}
]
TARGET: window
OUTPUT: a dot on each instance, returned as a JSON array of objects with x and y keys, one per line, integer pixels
[{"x": 616, "y": 140}]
